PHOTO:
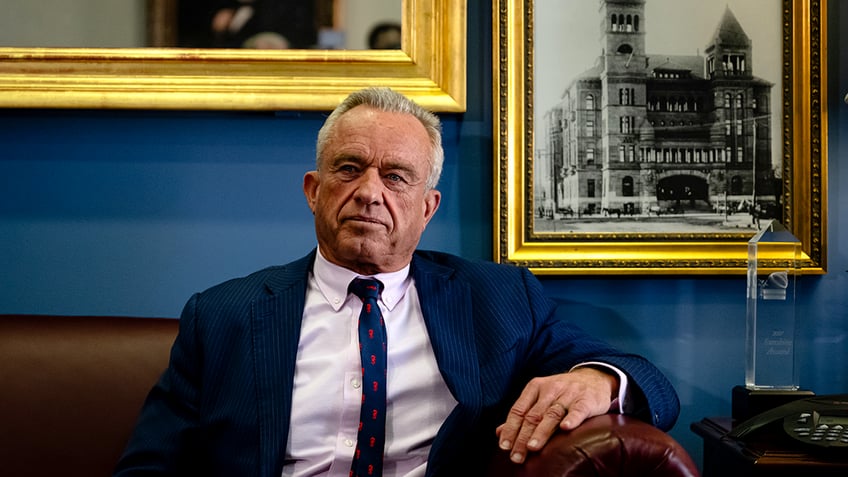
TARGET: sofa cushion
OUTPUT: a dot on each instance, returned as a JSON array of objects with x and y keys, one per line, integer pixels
[{"x": 72, "y": 387}]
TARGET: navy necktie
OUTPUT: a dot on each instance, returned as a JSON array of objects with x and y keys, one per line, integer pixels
[{"x": 368, "y": 458}]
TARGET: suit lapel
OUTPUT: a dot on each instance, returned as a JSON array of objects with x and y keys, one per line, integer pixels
[
  {"x": 276, "y": 323},
  {"x": 446, "y": 305}
]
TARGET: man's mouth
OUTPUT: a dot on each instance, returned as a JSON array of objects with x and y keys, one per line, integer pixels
[{"x": 366, "y": 220}]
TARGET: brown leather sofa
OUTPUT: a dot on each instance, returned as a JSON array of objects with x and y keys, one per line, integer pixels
[{"x": 71, "y": 388}]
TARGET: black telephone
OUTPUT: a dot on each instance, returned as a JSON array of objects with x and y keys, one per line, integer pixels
[{"x": 820, "y": 421}]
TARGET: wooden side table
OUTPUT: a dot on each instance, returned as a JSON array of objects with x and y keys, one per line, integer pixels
[{"x": 768, "y": 454}]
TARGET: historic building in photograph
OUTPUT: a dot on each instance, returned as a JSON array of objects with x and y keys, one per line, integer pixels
[{"x": 644, "y": 133}]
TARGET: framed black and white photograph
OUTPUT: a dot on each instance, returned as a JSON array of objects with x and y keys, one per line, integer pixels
[{"x": 657, "y": 136}]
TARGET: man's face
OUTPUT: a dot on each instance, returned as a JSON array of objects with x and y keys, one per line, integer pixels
[{"x": 369, "y": 196}]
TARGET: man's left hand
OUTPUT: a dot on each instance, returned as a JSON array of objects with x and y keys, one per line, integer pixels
[{"x": 561, "y": 401}]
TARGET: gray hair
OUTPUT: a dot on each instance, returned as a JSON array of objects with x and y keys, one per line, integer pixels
[{"x": 388, "y": 100}]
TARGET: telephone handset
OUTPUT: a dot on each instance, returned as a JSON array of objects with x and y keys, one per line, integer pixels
[{"x": 820, "y": 421}]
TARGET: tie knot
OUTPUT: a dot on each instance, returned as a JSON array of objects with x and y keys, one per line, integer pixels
[{"x": 366, "y": 288}]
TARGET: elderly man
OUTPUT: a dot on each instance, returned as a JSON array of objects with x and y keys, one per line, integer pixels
[{"x": 370, "y": 357}]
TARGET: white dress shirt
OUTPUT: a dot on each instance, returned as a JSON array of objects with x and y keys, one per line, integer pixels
[{"x": 327, "y": 379}]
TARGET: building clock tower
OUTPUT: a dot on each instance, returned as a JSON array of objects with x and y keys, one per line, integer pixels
[{"x": 623, "y": 75}]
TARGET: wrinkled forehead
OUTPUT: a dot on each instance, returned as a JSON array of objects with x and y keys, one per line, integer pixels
[{"x": 370, "y": 132}]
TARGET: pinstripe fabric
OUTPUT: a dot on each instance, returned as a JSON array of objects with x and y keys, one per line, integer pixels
[
  {"x": 222, "y": 407},
  {"x": 276, "y": 326}
]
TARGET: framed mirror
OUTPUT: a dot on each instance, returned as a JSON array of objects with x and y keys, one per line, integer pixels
[{"x": 429, "y": 68}]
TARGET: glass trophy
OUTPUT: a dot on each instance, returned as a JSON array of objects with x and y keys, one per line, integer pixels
[{"x": 774, "y": 262}]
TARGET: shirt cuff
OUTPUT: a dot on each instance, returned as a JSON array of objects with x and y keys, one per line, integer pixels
[{"x": 619, "y": 405}]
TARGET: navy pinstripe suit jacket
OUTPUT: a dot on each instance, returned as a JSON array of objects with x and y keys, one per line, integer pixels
[{"x": 222, "y": 407}]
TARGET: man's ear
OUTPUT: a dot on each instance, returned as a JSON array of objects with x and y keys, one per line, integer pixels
[
  {"x": 310, "y": 188},
  {"x": 432, "y": 199}
]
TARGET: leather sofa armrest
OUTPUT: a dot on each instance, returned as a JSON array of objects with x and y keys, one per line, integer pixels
[{"x": 608, "y": 445}]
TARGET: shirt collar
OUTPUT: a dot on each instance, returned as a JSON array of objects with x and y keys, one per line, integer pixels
[{"x": 333, "y": 281}]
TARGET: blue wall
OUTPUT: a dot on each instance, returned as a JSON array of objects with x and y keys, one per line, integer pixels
[{"x": 128, "y": 212}]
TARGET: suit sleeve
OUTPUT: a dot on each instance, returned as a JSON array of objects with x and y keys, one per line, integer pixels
[{"x": 560, "y": 344}]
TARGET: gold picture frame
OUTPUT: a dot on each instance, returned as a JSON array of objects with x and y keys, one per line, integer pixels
[
  {"x": 430, "y": 69},
  {"x": 802, "y": 186}
]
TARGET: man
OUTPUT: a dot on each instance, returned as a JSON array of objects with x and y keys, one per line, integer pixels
[
  {"x": 260, "y": 24},
  {"x": 265, "y": 375},
  {"x": 385, "y": 36}
]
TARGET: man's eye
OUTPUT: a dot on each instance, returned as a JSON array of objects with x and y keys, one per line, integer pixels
[
  {"x": 347, "y": 169},
  {"x": 394, "y": 177}
]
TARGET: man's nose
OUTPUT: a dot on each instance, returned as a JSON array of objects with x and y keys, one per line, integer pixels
[{"x": 370, "y": 186}]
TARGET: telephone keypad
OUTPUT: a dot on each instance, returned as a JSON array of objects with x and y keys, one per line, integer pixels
[{"x": 806, "y": 427}]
